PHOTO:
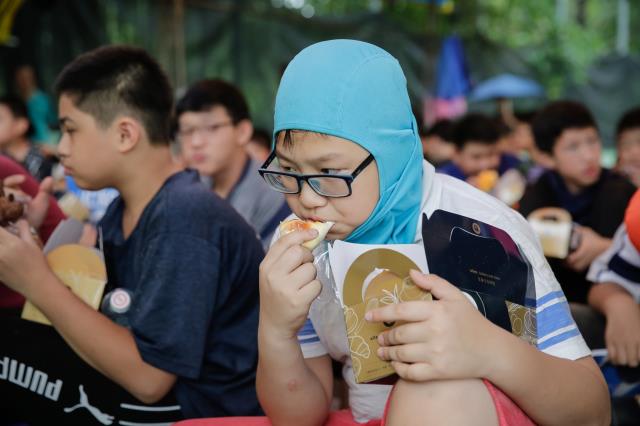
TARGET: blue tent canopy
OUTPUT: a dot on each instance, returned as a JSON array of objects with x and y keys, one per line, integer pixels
[{"x": 506, "y": 86}]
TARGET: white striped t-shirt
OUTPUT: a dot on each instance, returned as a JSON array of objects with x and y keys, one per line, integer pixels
[
  {"x": 558, "y": 335},
  {"x": 620, "y": 264}
]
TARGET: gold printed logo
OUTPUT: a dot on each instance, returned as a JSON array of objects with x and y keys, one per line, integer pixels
[{"x": 476, "y": 228}]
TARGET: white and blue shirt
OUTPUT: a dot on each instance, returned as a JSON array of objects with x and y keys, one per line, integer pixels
[
  {"x": 620, "y": 264},
  {"x": 558, "y": 335}
]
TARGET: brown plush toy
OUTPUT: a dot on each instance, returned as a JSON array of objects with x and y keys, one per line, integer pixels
[{"x": 10, "y": 209}]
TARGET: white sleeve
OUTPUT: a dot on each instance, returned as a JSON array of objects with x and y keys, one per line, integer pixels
[
  {"x": 558, "y": 334},
  {"x": 620, "y": 264}
]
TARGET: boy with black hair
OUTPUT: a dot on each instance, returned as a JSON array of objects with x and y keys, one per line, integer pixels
[
  {"x": 189, "y": 261},
  {"x": 476, "y": 137},
  {"x": 437, "y": 147},
  {"x": 628, "y": 144},
  {"x": 567, "y": 134},
  {"x": 15, "y": 130},
  {"x": 213, "y": 127}
]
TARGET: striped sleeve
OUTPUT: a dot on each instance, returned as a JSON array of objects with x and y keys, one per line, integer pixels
[
  {"x": 620, "y": 265},
  {"x": 309, "y": 341},
  {"x": 557, "y": 332},
  {"x": 555, "y": 323}
]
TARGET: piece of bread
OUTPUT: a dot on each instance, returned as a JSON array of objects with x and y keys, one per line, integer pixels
[{"x": 303, "y": 225}]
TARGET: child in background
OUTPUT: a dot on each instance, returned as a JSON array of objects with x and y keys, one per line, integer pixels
[
  {"x": 347, "y": 151},
  {"x": 15, "y": 129},
  {"x": 628, "y": 138},
  {"x": 596, "y": 198},
  {"x": 437, "y": 147},
  {"x": 612, "y": 319},
  {"x": 213, "y": 127},
  {"x": 476, "y": 137}
]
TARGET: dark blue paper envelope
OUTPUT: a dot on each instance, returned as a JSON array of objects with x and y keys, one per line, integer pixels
[
  {"x": 484, "y": 262},
  {"x": 476, "y": 256}
]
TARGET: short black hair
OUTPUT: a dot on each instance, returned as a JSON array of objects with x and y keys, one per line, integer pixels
[
  {"x": 18, "y": 109},
  {"x": 287, "y": 139},
  {"x": 475, "y": 127},
  {"x": 207, "y": 94},
  {"x": 442, "y": 129},
  {"x": 630, "y": 120},
  {"x": 525, "y": 116},
  {"x": 502, "y": 127},
  {"x": 555, "y": 118},
  {"x": 110, "y": 80}
]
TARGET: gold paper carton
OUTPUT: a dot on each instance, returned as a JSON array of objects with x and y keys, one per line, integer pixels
[
  {"x": 81, "y": 269},
  {"x": 376, "y": 278}
]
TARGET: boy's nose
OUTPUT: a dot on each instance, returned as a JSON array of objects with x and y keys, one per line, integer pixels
[
  {"x": 63, "y": 146},
  {"x": 309, "y": 198},
  {"x": 591, "y": 153},
  {"x": 197, "y": 139}
]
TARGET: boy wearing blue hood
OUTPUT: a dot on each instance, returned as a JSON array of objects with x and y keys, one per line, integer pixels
[{"x": 345, "y": 132}]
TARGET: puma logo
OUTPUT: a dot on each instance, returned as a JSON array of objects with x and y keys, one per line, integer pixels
[{"x": 103, "y": 418}]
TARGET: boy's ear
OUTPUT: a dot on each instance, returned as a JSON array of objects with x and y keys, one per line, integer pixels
[
  {"x": 244, "y": 131},
  {"x": 130, "y": 132}
]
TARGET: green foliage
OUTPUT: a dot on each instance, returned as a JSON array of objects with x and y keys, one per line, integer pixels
[
  {"x": 558, "y": 48},
  {"x": 249, "y": 41}
]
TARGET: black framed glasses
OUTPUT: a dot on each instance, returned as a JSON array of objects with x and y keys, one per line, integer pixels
[{"x": 335, "y": 186}]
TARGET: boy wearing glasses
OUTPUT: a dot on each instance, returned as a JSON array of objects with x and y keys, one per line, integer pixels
[
  {"x": 325, "y": 184},
  {"x": 348, "y": 152},
  {"x": 213, "y": 127},
  {"x": 567, "y": 134}
]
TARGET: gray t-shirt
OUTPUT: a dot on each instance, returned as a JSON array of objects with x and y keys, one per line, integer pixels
[{"x": 262, "y": 207}]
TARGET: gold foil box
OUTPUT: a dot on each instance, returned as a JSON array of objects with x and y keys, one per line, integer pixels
[
  {"x": 375, "y": 277},
  {"x": 81, "y": 269}
]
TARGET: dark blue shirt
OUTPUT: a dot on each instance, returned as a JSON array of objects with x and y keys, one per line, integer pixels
[
  {"x": 191, "y": 264},
  {"x": 600, "y": 206}
]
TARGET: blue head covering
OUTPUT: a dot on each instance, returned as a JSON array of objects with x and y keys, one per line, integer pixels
[{"x": 357, "y": 91}]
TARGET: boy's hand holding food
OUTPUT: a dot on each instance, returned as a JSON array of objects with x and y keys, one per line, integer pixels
[{"x": 288, "y": 283}]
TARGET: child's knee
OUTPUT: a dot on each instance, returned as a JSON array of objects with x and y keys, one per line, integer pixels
[{"x": 451, "y": 402}]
